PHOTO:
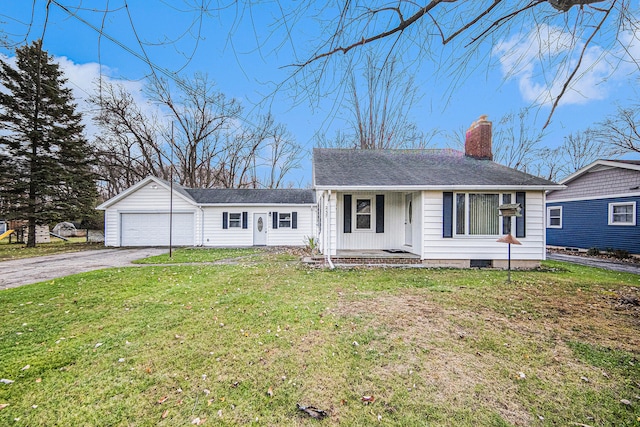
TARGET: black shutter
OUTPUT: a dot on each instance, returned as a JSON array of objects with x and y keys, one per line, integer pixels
[
  {"x": 521, "y": 228},
  {"x": 506, "y": 221},
  {"x": 225, "y": 220},
  {"x": 245, "y": 221},
  {"x": 447, "y": 214},
  {"x": 274, "y": 220},
  {"x": 380, "y": 213},
  {"x": 294, "y": 220},
  {"x": 347, "y": 213}
]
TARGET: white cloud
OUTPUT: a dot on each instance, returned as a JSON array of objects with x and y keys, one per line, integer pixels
[
  {"x": 542, "y": 60},
  {"x": 83, "y": 81}
]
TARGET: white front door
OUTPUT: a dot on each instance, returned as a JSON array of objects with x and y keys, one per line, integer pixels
[
  {"x": 259, "y": 229},
  {"x": 408, "y": 219}
]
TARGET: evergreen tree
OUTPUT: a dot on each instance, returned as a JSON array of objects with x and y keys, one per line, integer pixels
[{"x": 45, "y": 160}]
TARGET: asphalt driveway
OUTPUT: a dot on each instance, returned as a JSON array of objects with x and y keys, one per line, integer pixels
[
  {"x": 31, "y": 270},
  {"x": 594, "y": 262}
]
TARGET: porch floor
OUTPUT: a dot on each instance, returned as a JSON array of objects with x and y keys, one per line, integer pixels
[{"x": 373, "y": 253}]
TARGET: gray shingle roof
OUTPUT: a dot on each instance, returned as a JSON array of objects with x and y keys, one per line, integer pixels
[
  {"x": 352, "y": 167},
  {"x": 251, "y": 196}
]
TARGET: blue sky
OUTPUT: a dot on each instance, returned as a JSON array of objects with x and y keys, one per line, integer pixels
[{"x": 247, "y": 56}]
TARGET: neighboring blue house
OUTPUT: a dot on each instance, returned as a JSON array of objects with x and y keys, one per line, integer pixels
[{"x": 598, "y": 208}]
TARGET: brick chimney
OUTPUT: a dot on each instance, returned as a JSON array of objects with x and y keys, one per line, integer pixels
[{"x": 477, "y": 143}]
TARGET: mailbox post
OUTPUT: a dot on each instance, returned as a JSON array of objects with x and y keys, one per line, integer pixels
[{"x": 508, "y": 211}]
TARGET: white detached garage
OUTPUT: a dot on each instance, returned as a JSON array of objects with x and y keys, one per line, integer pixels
[{"x": 147, "y": 215}]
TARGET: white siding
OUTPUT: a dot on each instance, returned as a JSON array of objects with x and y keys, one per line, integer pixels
[
  {"x": 466, "y": 248},
  {"x": 215, "y": 235},
  {"x": 151, "y": 198},
  {"x": 393, "y": 236}
]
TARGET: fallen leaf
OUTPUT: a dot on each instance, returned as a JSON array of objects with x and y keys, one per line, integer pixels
[
  {"x": 38, "y": 380},
  {"x": 270, "y": 392},
  {"x": 147, "y": 370},
  {"x": 163, "y": 399},
  {"x": 165, "y": 414},
  {"x": 522, "y": 375},
  {"x": 198, "y": 421},
  {"x": 98, "y": 345},
  {"x": 368, "y": 399},
  {"x": 220, "y": 413},
  {"x": 625, "y": 402},
  {"x": 3, "y": 405},
  {"x": 25, "y": 367},
  {"x": 6, "y": 381}
]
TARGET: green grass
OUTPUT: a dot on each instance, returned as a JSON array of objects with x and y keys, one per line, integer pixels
[
  {"x": 434, "y": 347},
  {"x": 18, "y": 250},
  {"x": 191, "y": 255}
]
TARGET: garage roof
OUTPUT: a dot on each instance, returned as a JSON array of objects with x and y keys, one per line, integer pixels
[{"x": 251, "y": 196}]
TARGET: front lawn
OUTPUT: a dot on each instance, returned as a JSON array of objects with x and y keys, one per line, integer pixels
[
  {"x": 243, "y": 344},
  {"x": 56, "y": 246},
  {"x": 191, "y": 255}
]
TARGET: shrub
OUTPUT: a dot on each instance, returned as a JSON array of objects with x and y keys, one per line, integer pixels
[
  {"x": 312, "y": 244},
  {"x": 621, "y": 254},
  {"x": 593, "y": 251}
]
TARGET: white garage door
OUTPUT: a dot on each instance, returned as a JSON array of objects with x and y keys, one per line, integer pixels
[{"x": 152, "y": 229}]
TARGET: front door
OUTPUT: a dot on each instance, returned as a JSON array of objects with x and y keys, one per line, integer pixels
[
  {"x": 259, "y": 229},
  {"x": 408, "y": 219}
]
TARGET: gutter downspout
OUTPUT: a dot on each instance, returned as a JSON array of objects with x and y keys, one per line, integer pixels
[
  {"x": 328, "y": 222},
  {"x": 201, "y": 225}
]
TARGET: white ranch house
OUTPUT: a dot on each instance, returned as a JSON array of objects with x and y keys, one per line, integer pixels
[
  {"x": 141, "y": 216},
  {"x": 432, "y": 207},
  {"x": 440, "y": 206}
]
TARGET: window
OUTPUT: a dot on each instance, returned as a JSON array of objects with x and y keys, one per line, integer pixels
[
  {"x": 363, "y": 214},
  {"x": 284, "y": 220},
  {"x": 554, "y": 217},
  {"x": 476, "y": 214},
  {"x": 623, "y": 213},
  {"x": 235, "y": 220}
]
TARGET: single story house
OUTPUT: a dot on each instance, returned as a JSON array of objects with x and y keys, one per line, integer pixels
[
  {"x": 441, "y": 206},
  {"x": 598, "y": 208},
  {"x": 155, "y": 213}
]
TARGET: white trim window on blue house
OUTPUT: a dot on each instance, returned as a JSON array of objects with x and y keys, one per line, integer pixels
[
  {"x": 554, "y": 216},
  {"x": 622, "y": 213}
]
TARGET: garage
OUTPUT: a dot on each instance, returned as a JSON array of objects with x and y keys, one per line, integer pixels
[{"x": 152, "y": 229}]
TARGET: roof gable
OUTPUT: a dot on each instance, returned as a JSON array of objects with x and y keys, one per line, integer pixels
[
  {"x": 158, "y": 181},
  {"x": 602, "y": 164},
  {"x": 414, "y": 168}
]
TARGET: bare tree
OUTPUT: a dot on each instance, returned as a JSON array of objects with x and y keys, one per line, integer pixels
[
  {"x": 128, "y": 147},
  {"x": 380, "y": 116},
  {"x": 548, "y": 164},
  {"x": 201, "y": 115},
  {"x": 621, "y": 131},
  {"x": 390, "y": 27},
  {"x": 515, "y": 143},
  {"x": 377, "y": 108},
  {"x": 207, "y": 146},
  {"x": 580, "y": 149}
]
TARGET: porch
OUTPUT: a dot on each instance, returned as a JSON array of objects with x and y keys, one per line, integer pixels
[{"x": 375, "y": 257}]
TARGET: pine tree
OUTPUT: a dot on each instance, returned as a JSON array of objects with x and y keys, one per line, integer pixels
[{"x": 45, "y": 160}]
